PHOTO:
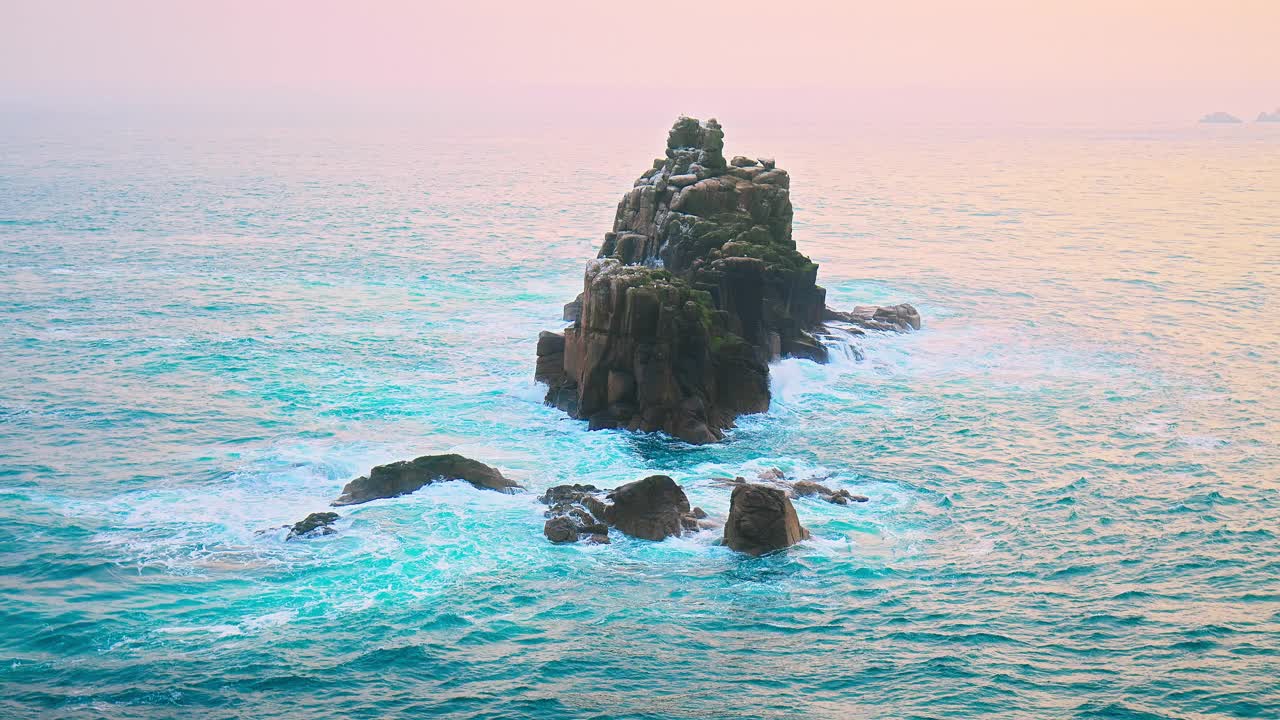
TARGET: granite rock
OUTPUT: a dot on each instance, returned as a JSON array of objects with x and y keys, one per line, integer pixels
[
  {"x": 697, "y": 287},
  {"x": 313, "y": 525},
  {"x": 406, "y": 476},
  {"x": 761, "y": 520}
]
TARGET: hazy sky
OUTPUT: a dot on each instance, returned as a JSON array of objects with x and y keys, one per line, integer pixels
[{"x": 1035, "y": 60}]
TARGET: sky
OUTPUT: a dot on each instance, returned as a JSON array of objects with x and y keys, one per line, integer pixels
[{"x": 962, "y": 61}]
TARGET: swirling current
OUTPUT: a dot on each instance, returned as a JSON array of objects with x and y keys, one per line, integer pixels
[{"x": 1073, "y": 468}]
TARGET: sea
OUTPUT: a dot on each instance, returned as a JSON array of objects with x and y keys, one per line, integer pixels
[{"x": 1073, "y": 468}]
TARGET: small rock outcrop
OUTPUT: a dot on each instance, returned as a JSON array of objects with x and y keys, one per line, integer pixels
[
  {"x": 1272, "y": 117},
  {"x": 313, "y": 525},
  {"x": 1220, "y": 117},
  {"x": 808, "y": 488},
  {"x": 561, "y": 529},
  {"x": 654, "y": 508},
  {"x": 761, "y": 520},
  {"x": 575, "y": 511},
  {"x": 406, "y": 476},
  {"x": 695, "y": 290},
  {"x": 897, "y": 318},
  {"x": 776, "y": 478}
]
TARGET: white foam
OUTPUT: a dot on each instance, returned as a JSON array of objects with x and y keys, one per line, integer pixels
[
  {"x": 218, "y": 630},
  {"x": 1202, "y": 442},
  {"x": 275, "y": 619}
]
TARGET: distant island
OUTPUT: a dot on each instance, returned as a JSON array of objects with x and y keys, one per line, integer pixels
[
  {"x": 1269, "y": 117},
  {"x": 1220, "y": 117}
]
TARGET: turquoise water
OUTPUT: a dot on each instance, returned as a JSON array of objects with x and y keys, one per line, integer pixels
[{"x": 1074, "y": 468}]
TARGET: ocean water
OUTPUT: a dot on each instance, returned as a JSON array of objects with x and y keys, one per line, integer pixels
[{"x": 1073, "y": 469}]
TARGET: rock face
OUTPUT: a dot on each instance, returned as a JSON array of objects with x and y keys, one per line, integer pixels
[
  {"x": 654, "y": 508},
  {"x": 320, "y": 523},
  {"x": 575, "y": 511},
  {"x": 761, "y": 520},
  {"x": 406, "y": 476},
  {"x": 695, "y": 290},
  {"x": 561, "y": 529},
  {"x": 650, "y": 353},
  {"x": 651, "y": 509}
]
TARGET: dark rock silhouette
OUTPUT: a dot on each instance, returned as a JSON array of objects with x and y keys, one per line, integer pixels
[
  {"x": 695, "y": 290},
  {"x": 649, "y": 353},
  {"x": 406, "y": 476},
  {"x": 561, "y": 529},
  {"x": 761, "y": 520},
  {"x": 315, "y": 524},
  {"x": 580, "y": 507},
  {"x": 568, "y": 494},
  {"x": 650, "y": 509}
]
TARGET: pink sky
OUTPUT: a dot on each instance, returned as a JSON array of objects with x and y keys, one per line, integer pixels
[{"x": 1029, "y": 60}]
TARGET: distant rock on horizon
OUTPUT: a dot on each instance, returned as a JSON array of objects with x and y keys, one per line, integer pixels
[
  {"x": 1272, "y": 117},
  {"x": 1220, "y": 117}
]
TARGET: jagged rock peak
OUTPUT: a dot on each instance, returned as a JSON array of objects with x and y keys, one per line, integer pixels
[
  {"x": 690, "y": 141},
  {"x": 692, "y": 208},
  {"x": 697, "y": 287}
]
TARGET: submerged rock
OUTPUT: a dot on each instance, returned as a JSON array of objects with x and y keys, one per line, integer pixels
[
  {"x": 406, "y": 476},
  {"x": 807, "y": 488},
  {"x": 804, "y": 488},
  {"x": 772, "y": 475},
  {"x": 695, "y": 290},
  {"x": 320, "y": 523},
  {"x": 761, "y": 520}
]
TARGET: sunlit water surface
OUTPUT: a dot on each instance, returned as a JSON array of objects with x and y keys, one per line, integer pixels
[{"x": 1073, "y": 469}]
